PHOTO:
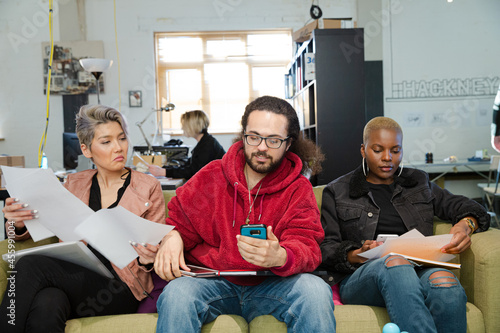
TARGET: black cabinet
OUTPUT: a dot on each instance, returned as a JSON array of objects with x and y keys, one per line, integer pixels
[{"x": 330, "y": 97}]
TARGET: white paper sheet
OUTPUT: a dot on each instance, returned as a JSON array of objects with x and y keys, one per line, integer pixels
[
  {"x": 413, "y": 243},
  {"x": 110, "y": 231},
  {"x": 59, "y": 211}
]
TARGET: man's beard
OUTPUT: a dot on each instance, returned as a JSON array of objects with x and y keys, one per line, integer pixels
[{"x": 260, "y": 167}]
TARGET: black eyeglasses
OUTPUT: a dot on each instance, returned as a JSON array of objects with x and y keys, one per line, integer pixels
[{"x": 271, "y": 142}]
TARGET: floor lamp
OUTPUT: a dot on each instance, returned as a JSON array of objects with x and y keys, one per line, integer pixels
[{"x": 96, "y": 66}]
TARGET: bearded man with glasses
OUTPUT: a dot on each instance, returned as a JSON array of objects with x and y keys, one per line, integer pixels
[{"x": 259, "y": 181}]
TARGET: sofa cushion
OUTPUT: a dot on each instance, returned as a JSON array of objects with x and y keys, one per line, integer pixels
[{"x": 138, "y": 323}]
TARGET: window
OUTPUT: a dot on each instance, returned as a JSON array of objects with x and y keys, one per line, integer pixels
[{"x": 219, "y": 73}]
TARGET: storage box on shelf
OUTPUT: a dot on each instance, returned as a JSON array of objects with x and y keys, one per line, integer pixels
[
  {"x": 330, "y": 99},
  {"x": 305, "y": 32}
]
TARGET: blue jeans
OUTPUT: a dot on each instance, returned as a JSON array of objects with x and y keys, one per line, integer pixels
[
  {"x": 414, "y": 302},
  {"x": 304, "y": 302}
]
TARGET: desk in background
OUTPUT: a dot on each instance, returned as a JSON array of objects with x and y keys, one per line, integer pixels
[
  {"x": 170, "y": 183},
  {"x": 171, "y": 152},
  {"x": 460, "y": 177},
  {"x": 441, "y": 169}
]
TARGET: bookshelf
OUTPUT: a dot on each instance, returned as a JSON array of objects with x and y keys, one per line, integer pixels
[{"x": 329, "y": 97}]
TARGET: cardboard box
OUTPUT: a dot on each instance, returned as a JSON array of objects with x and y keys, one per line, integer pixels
[
  {"x": 305, "y": 33},
  {"x": 14, "y": 161},
  {"x": 158, "y": 160}
]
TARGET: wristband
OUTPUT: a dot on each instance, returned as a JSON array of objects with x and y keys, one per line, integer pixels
[
  {"x": 147, "y": 266},
  {"x": 470, "y": 224}
]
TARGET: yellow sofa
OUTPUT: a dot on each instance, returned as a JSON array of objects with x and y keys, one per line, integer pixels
[{"x": 479, "y": 276}]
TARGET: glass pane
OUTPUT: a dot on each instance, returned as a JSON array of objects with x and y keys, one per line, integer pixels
[
  {"x": 192, "y": 49},
  {"x": 228, "y": 91},
  {"x": 273, "y": 46},
  {"x": 225, "y": 48},
  {"x": 268, "y": 81},
  {"x": 184, "y": 90}
]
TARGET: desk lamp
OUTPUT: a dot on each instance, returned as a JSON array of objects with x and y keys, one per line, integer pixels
[
  {"x": 165, "y": 108},
  {"x": 96, "y": 66}
]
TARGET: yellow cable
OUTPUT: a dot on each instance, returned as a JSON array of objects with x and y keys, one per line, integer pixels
[
  {"x": 118, "y": 60},
  {"x": 49, "y": 77}
]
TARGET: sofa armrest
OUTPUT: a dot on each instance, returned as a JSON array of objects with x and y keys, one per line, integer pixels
[
  {"x": 479, "y": 276},
  {"x": 480, "y": 272},
  {"x": 18, "y": 245}
]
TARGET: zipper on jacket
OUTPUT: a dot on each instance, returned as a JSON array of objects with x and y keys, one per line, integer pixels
[{"x": 144, "y": 292}]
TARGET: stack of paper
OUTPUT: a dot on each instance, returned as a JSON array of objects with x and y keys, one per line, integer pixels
[{"x": 415, "y": 246}]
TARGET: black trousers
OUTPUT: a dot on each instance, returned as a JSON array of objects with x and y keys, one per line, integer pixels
[{"x": 43, "y": 293}]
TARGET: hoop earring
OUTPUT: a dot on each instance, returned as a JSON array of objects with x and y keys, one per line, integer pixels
[
  {"x": 365, "y": 171},
  {"x": 401, "y": 169}
]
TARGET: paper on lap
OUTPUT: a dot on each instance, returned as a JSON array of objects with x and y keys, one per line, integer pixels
[{"x": 413, "y": 243}]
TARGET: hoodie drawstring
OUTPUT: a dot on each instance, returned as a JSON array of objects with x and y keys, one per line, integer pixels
[
  {"x": 260, "y": 210},
  {"x": 234, "y": 201}
]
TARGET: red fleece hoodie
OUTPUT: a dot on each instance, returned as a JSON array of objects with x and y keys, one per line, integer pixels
[{"x": 206, "y": 206}]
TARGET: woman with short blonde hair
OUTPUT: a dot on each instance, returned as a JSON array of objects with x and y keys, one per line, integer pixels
[{"x": 195, "y": 125}]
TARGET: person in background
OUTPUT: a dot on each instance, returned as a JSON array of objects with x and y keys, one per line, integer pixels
[
  {"x": 194, "y": 124},
  {"x": 495, "y": 125},
  {"x": 379, "y": 197},
  {"x": 50, "y": 291},
  {"x": 258, "y": 181}
]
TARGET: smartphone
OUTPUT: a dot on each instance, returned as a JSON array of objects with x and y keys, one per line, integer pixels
[
  {"x": 384, "y": 237},
  {"x": 254, "y": 230}
]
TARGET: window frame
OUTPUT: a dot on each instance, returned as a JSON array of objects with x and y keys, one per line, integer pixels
[{"x": 161, "y": 68}]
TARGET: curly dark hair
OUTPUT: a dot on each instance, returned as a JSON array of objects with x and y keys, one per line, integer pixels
[{"x": 307, "y": 150}]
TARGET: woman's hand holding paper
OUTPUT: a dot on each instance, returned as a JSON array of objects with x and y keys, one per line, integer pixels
[
  {"x": 146, "y": 252},
  {"x": 15, "y": 211}
]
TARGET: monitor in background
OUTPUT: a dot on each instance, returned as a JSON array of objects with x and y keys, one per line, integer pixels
[{"x": 71, "y": 150}]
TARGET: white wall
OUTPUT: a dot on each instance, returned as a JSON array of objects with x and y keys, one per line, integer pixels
[
  {"x": 429, "y": 48},
  {"x": 22, "y": 103}
]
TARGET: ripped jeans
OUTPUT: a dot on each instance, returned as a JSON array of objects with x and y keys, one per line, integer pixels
[{"x": 415, "y": 300}]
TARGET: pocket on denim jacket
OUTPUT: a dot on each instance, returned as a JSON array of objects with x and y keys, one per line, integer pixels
[
  {"x": 352, "y": 221},
  {"x": 422, "y": 203},
  {"x": 348, "y": 212}
]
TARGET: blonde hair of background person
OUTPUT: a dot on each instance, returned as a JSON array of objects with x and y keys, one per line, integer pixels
[
  {"x": 195, "y": 125},
  {"x": 194, "y": 122}
]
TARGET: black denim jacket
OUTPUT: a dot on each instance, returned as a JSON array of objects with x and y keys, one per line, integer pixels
[{"x": 349, "y": 214}]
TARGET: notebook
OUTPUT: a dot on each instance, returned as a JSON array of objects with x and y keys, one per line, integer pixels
[
  {"x": 202, "y": 272},
  {"x": 74, "y": 252}
]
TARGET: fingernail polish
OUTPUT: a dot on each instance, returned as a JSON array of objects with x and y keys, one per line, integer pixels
[
  {"x": 16, "y": 200},
  {"x": 144, "y": 244},
  {"x": 35, "y": 216},
  {"x": 34, "y": 211},
  {"x": 134, "y": 244},
  {"x": 25, "y": 205}
]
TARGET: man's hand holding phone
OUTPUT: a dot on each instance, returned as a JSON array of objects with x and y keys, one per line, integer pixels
[{"x": 261, "y": 252}]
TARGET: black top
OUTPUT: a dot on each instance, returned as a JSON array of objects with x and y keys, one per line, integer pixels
[
  {"x": 389, "y": 221},
  {"x": 95, "y": 205},
  {"x": 207, "y": 150}
]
